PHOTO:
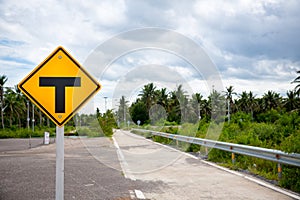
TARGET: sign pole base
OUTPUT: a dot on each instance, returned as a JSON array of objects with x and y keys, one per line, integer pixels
[{"x": 59, "y": 187}]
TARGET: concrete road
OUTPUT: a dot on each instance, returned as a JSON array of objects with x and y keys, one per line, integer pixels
[
  {"x": 183, "y": 177},
  {"x": 95, "y": 168},
  {"x": 92, "y": 171}
]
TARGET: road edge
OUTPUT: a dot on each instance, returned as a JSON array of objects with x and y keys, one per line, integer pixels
[{"x": 123, "y": 163}]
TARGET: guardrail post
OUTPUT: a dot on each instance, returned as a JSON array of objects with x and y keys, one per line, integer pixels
[
  {"x": 279, "y": 170},
  {"x": 233, "y": 158}
]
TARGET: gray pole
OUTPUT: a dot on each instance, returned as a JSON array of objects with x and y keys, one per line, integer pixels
[
  {"x": 28, "y": 117},
  {"x": 28, "y": 124},
  {"x": 199, "y": 111},
  {"x": 228, "y": 108},
  {"x": 32, "y": 117},
  {"x": 80, "y": 120},
  {"x": 1, "y": 104},
  {"x": 124, "y": 115},
  {"x": 59, "y": 187}
]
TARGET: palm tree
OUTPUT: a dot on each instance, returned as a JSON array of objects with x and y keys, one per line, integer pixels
[
  {"x": 180, "y": 93},
  {"x": 162, "y": 97},
  {"x": 183, "y": 102},
  {"x": 217, "y": 102},
  {"x": 291, "y": 102},
  {"x": 3, "y": 80},
  {"x": 206, "y": 108},
  {"x": 174, "y": 113},
  {"x": 15, "y": 107},
  {"x": 123, "y": 110},
  {"x": 247, "y": 102},
  {"x": 243, "y": 102},
  {"x": 297, "y": 80},
  {"x": 148, "y": 95},
  {"x": 228, "y": 93},
  {"x": 197, "y": 104},
  {"x": 22, "y": 103},
  {"x": 271, "y": 100},
  {"x": 252, "y": 103},
  {"x": 185, "y": 106}
]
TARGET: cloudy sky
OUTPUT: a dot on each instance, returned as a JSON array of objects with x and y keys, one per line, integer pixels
[{"x": 253, "y": 44}]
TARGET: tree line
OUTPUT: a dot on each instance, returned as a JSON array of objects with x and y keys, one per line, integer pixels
[
  {"x": 180, "y": 108},
  {"x": 175, "y": 106},
  {"x": 16, "y": 109}
]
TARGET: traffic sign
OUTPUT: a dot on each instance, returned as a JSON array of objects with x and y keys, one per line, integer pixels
[{"x": 59, "y": 86}]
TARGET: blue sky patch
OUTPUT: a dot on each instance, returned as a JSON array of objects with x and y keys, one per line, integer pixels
[
  {"x": 17, "y": 60},
  {"x": 10, "y": 43}
]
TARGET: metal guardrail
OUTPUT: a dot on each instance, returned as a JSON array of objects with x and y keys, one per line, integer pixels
[{"x": 268, "y": 154}]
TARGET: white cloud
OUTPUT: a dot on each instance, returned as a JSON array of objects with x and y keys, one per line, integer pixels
[
  {"x": 105, "y": 12},
  {"x": 254, "y": 44},
  {"x": 276, "y": 69},
  {"x": 43, "y": 25},
  {"x": 258, "y": 87}
]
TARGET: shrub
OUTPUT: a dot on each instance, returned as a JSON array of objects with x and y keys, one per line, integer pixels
[
  {"x": 289, "y": 179},
  {"x": 25, "y": 133}
]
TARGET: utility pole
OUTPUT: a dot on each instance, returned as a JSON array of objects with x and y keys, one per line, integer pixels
[
  {"x": 199, "y": 111},
  {"x": 28, "y": 118},
  {"x": 228, "y": 108},
  {"x": 32, "y": 117},
  {"x": 1, "y": 104},
  {"x": 2, "y": 109},
  {"x": 28, "y": 124},
  {"x": 124, "y": 114}
]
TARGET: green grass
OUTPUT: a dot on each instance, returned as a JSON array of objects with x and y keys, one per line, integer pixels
[{"x": 25, "y": 133}]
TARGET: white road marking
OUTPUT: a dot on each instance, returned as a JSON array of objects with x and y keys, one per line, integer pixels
[
  {"x": 123, "y": 163},
  {"x": 139, "y": 194},
  {"x": 87, "y": 185}
]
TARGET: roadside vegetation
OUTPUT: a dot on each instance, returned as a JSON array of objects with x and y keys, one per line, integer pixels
[
  {"x": 279, "y": 134},
  {"x": 270, "y": 121}
]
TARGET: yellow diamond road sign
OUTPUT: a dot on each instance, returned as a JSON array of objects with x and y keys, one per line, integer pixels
[{"x": 59, "y": 86}]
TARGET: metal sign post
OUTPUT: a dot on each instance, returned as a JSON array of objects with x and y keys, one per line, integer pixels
[{"x": 59, "y": 187}]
